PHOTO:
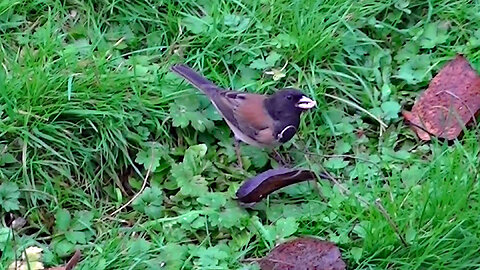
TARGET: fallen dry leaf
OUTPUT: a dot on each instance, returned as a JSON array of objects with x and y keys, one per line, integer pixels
[
  {"x": 70, "y": 264},
  {"x": 304, "y": 254},
  {"x": 255, "y": 189},
  {"x": 26, "y": 266},
  {"x": 31, "y": 260},
  {"x": 449, "y": 103}
]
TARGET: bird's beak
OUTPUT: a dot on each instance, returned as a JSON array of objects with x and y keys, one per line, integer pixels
[{"x": 306, "y": 103}]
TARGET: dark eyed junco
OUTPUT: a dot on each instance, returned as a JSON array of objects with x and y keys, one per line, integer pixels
[{"x": 259, "y": 120}]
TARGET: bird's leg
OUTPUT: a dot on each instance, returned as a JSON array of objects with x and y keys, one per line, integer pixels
[
  {"x": 237, "y": 151},
  {"x": 279, "y": 158}
]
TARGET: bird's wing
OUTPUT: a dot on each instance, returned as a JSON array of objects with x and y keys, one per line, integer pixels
[{"x": 247, "y": 112}]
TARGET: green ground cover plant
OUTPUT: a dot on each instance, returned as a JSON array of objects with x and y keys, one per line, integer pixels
[{"x": 88, "y": 110}]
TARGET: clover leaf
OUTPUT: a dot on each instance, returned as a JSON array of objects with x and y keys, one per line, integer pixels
[
  {"x": 151, "y": 156},
  {"x": 390, "y": 110},
  {"x": 433, "y": 35},
  {"x": 72, "y": 231},
  {"x": 187, "y": 173},
  {"x": 150, "y": 202},
  {"x": 198, "y": 25},
  {"x": 236, "y": 23},
  {"x": 9, "y": 195},
  {"x": 268, "y": 62},
  {"x": 416, "y": 69},
  {"x": 187, "y": 111}
]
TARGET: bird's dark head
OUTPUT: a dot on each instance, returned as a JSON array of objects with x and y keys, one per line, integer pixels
[{"x": 288, "y": 102}]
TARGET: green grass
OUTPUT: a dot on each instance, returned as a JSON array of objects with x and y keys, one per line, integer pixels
[{"x": 87, "y": 104}]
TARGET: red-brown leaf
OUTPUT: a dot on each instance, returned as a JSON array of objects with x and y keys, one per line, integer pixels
[
  {"x": 256, "y": 188},
  {"x": 70, "y": 264},
  {"x": 304, "y": 254},
  {"x": 449, "y": 103}
]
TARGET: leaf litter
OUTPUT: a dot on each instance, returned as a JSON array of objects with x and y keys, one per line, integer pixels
[
  {"x": 256, "y": 188},
  {"x": 32, "y": 260},
  {"x": 450, "y": 102},
  {"x": 304, "y": 253}
]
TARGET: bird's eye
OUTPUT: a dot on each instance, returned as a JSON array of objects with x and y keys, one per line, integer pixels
[{"x": 289, "y": 97}]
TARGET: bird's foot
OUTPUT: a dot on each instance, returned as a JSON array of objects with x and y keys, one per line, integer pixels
[
  {"x": 239, "y": 163},
  {"x": 239, "y": 156},
  {"x": 280, "y": 159}
]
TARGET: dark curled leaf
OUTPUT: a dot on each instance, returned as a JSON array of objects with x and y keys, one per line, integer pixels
[
  {"x": 70, "y": 264},
  {"x": 13, "y": 222},
  {"x": 258, "y": 187},
  {"x": 304, "y": 254}
]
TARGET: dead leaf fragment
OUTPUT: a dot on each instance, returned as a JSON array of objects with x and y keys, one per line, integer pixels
[
  {"x": 26, "y": 266},
  {"x": 70, "y": 264},
  {"x": 449, "y": 103},
  {"x": 31, "y": 260},
  {"x": 256, "y": 188},
  {"x": 304, "y": 254}
]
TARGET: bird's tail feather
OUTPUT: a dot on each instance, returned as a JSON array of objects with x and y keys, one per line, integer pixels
[{"x": 197, "y": 80}]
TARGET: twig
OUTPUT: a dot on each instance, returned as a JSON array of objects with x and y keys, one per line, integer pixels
[
  {"x": 144, "y": 184},
  {"x": 472, "y": 114},
  {"x": 31, "y": 114},
  {"x": 117, "y": 219},
  {"x": 394, "y": 226},
  {"x": 422, "y": 128},
  {"x": 250, "y": 260},
  {"x": 378, "y": 204},
  {"x": 74, "y": 260}
]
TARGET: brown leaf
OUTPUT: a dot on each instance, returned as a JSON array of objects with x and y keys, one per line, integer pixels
[
  {"x": 304, "y": 254},
  {"x": 70, "y": 264},
  {"x": 449, "y": 103},
  {"x": 258, "y": 187}
]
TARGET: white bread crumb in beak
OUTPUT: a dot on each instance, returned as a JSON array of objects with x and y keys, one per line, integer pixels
[{"x": 306, "y": 103}]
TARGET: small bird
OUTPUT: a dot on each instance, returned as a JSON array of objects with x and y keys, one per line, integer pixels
[{"x": 259, "y": 120}]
